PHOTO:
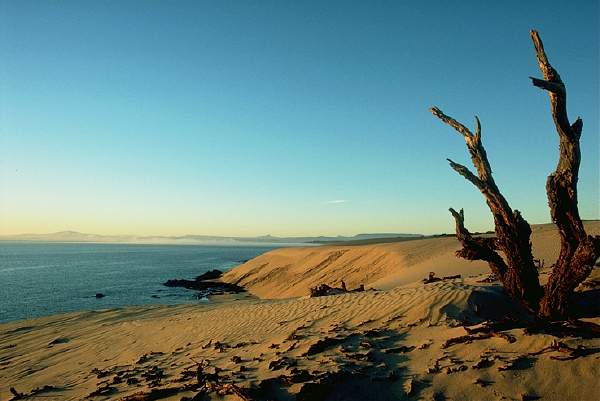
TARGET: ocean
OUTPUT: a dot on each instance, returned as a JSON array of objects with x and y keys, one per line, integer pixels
[{"x": 40, "y": 279}]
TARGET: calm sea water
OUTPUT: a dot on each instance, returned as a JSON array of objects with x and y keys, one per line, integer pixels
[{"x": 39, "y": 279}]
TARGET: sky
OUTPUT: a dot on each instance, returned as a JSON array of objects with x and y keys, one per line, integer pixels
[{"x": 282, "y": 117}]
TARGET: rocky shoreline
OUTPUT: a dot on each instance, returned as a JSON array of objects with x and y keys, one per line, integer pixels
[{"x": 206, "y": 284}]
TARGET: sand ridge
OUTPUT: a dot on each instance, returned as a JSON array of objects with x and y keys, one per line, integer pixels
[{"x": 290, "y": 272}]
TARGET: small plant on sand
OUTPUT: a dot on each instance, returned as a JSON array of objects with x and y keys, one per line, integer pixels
[{"x": 517, "y": 269}]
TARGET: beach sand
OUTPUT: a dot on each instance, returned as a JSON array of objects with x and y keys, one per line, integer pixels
[{"x": 389, "y": 343}]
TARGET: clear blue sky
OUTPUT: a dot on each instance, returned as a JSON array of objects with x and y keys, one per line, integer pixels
[{"x": 251, "y": 117}]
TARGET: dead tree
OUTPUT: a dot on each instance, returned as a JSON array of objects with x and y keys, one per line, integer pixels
[
  {"x": 516, "y": 269},
  {"x": 578, "y": 251},
  {"x": 517, "y": 273}
]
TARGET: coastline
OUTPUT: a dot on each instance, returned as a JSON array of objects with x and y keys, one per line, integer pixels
[
  {"x": 41, "y": 279},
  {"x": 408, "y": 341}
]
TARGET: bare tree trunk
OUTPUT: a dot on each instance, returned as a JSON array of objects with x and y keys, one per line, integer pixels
[
  {"x": 516, "y": 270},
  {"x": 518, "y": 273},
  {"x": 578, "y": 251}
]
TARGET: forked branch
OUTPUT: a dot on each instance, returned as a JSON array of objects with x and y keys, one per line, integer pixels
[
  {"x": 478, "y": 248},
  {"x": 578, "y": 251},
  {"x": 518, "y": 273}
]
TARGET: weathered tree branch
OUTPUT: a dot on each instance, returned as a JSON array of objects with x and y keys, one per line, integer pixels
[
  {"x": 553, "y": 87},
  {"x": 578, "y": 251},
  {"x": 518, "y": 274},
  {"x": 478, "y": 248},
  {"x": 465, "y": 172}
]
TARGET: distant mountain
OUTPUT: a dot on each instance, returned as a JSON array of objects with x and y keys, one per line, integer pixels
[{"x": 74, "y": 236}]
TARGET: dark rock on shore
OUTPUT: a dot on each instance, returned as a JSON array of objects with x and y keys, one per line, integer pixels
[
  {"x": 210, "y": 275},
  {"x": 205, "y": 286}
]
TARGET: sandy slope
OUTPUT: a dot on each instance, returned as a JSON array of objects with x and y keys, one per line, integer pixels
[
  {"x": 371, "y": 328},
  {"x": 290, "y": 272}
]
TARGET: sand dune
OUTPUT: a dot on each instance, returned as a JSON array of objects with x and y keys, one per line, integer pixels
[
  {"x": 392, "y": 343},
  {"x": 290, "y": 272},
  {"x": 388, "y": 343}
]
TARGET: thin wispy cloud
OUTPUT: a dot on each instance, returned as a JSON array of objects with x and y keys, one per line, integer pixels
[{"x": 336, "y": 201}]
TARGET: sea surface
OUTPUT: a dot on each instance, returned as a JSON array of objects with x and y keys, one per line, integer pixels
[{"x": 40, "y": 279}]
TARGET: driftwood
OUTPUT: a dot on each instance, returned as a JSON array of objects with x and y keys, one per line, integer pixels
[
  {"x": 481, "y": 332},
  {"x": 465, "y": 339},
  {"x": 324, "y": 290},
  {"x": 572, "y": 353},
  {"x": 432, "y": 278},
  {"x": 33, "y": 393},
  {"x": 517, "y": 269},
  {"x": 153, "y": 394}
]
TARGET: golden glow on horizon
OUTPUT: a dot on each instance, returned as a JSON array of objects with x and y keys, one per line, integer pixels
[{"x": 109, "y": 223}]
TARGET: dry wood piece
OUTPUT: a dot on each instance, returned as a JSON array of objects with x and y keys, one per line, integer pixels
[
  {"x": 16, "y": 394},
  {"x": 488, "y": 328},
  {"x": 465, "y": 339},
  {"x": 574, "y": 328},
  {"x": 478, "y": 335},
  {"x": 324, "y": 290},
  {"x": 517, "y": 270},
  {"x": 432, "y": 278},
  {"x": 573, "y": 353},
  {"x": 554, "y": 346},
  {"x": 154, "y": 394},
  {"x": 33, "y": 393}
]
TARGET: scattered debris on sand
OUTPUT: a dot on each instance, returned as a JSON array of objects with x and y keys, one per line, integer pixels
[
  {"x": 325, "y": 290},
  {"x": 432, "y": 278}
]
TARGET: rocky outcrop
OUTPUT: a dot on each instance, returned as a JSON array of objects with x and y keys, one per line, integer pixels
[{"x": 205, "y": 284}]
